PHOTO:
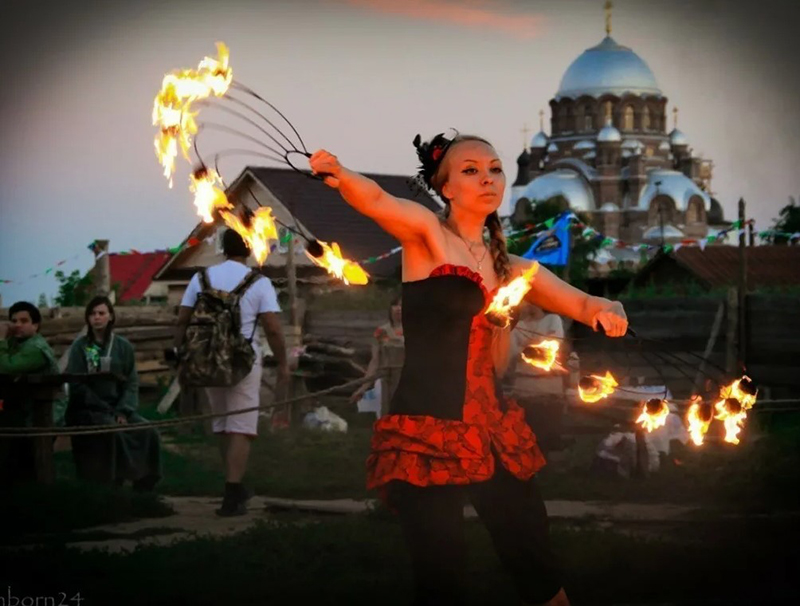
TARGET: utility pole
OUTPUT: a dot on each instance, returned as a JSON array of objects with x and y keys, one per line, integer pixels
[{"x": 742, "y": 331}]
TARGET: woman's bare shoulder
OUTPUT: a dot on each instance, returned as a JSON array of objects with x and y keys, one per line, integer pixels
[{"x": 519, "y": 264}]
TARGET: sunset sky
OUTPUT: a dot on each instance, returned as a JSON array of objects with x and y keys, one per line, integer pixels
[{"x": 360, "y": 78}]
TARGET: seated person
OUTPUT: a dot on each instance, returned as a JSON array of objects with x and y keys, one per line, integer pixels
[
  {"x": 22, "y": 351},
  {"x": 111, "y": 457}
]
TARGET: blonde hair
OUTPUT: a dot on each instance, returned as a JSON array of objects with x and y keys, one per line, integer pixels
[{"x": 497, "y": 240}]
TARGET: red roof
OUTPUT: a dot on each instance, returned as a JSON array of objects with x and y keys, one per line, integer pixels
[
  {"x": 134, "y": 272},
  {"x": 766, "y": 265}
]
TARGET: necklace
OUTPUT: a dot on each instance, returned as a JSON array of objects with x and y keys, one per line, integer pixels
[{"x": 469, "y": 245}]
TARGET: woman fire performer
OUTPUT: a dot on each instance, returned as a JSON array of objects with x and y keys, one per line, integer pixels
[{"x": 449, "y": 425}]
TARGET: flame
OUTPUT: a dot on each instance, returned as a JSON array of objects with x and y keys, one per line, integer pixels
[
  {"x": 595, "y": 387},
  {"x": 257, "y": 231},
  {"x": 731, "y": 412},
  {"x": 734, "y": 390},
  {"x": 208, "y": 195},
  {"x": 654, "y": 414},
  {"x": 733, "y": 406},
  {"x": 698, "y": 418},
  {"x": 509, "y": 296},
  {"x": 331, "y": 259},
  {"x": 542, "y": 355},
  {"x": 172, "y": 105}
]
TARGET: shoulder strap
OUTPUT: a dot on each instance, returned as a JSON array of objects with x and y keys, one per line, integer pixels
[
  {"x": 246, "y": 282},
  {"x": 205, "y": 282}
]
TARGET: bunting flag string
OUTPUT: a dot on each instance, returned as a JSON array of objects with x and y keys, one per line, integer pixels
[
  {"x": 738, "y": 227},
  {"x": 48, "y": 271}
]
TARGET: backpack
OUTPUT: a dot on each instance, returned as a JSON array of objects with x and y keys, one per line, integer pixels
[{"x": 214, "y": 352}]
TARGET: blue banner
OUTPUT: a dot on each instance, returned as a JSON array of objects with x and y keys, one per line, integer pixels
[{"x": 552, "y": 246}]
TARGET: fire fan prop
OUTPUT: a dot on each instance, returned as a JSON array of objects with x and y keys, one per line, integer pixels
[
  {"x": 654, "y": 414},
  {"x": 593, "y": 388},
  {"x": 175, "y": 113},
  {"x": 543, "y": 355},
  {"x": 509, "y": 297}
]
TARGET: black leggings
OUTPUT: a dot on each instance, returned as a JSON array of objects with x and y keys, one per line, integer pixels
[{"x": 432, "y": 519}]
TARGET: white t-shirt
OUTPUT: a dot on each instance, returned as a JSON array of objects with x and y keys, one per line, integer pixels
[{"x": 259, "y": 298}]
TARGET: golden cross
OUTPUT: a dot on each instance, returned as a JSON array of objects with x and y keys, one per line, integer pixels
[
  {"x": 541, "y": 120},
  {"x": 675, "y": 116},
  {"x": 609, "y": 5},
  {"x": 525, "y": 131}
]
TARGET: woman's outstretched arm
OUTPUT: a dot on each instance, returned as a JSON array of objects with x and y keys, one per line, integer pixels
[
  {"x": 553, "y": 294},
  {"x": 406, "y": 220}
]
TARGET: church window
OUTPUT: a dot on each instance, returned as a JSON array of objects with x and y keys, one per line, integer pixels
[
  {"x": 627, "y": 121},
  {"x": 606, "y": 111},
  {"x": 646, "y": 119}
]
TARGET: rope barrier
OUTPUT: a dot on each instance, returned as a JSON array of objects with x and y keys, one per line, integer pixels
[{"x": 82, "y": 430}]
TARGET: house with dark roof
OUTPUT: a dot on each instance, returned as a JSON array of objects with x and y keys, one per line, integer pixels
[
  {"x": 306, "y": 205},
  {"x": 717, "y": 267}
]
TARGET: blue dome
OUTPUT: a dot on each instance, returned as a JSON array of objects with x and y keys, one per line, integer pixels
[
  {"x": 608, "y": 68},
  {"x": 539, "y": 140}
]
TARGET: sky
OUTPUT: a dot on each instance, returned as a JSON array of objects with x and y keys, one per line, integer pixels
[{"x": 359, "y": 78}]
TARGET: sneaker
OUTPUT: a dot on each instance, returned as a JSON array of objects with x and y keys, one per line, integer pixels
[
  {"x": 231, "y": 508},
  {"x": 146, "y": 484}
]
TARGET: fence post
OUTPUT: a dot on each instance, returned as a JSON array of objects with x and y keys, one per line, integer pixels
[
  {"x": 43, "y": 446},
  {"x": 741, "y": 343},
  {"x": 731, "y": 334},
  {"x": 391, "y": 359},
  {"x": 102, "y": 269}
]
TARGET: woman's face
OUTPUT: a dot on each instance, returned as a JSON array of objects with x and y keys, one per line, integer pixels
[
  {"x": 397, "y": 313},
  {"x": 475, "y": 178},
  {"x": 99, "y": 317}
]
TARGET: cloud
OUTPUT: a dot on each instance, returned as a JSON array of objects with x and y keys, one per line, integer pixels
[{"x": 474, "y": 14}]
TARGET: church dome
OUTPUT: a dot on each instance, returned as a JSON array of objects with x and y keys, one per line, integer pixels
[
  {"x": 674, "y": 185},
  {"x": 670, "y": 233},
  {"x": 560, "y": 182},
  {"x": 552, "y": 148},
  {"x": 608, "y": 68},
  {"x": 608, "y": 134},
  {"x": 676, "y": 137},
  {"x": 539, "y": 140}
]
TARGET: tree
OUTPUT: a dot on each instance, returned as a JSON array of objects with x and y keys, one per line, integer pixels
[
  {"x": 74, "y": 290},
  {"x": 42, "y": 300},
  {"x": 788, "y": 221}
]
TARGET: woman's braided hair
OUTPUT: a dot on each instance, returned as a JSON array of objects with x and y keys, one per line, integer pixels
[{"x": 431, "y": 155}]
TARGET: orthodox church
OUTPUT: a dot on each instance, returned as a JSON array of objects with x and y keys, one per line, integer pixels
[{"x": 610, "y": 156}]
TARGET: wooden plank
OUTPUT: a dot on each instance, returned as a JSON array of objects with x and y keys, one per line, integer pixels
[{"x": 169, "y": 398}]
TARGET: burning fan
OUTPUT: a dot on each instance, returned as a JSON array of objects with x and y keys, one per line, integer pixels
[
  {"x": 593, "y": 388},
  {"x": 175, "y": 113},
  {"x": 508, "y": 297},
  {"x": 654, "y": 414},
  {"x": 731, "y": 412},
  {"x": 698, "y": 418},
  {"x": 543, "y": 355}
]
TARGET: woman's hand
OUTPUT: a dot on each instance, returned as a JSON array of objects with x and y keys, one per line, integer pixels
[
  {"x": 326, "y": 164},
  {"x": 121, "y": 420},
  {"x": 613, "y": 320}
]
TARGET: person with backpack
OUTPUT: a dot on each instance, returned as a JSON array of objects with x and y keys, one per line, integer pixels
[{"x": 217, "y": 321}]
